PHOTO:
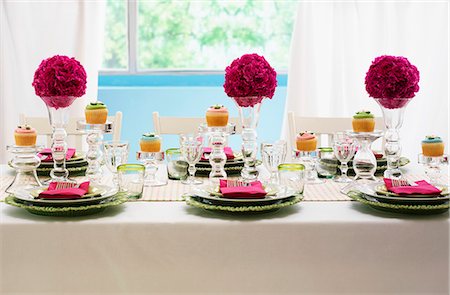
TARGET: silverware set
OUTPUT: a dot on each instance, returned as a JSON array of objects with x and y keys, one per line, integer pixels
[
  {"x": 65, "y": 184},
  {"x": 236, "y": 183},
  {"x": 402, "y": 182}
]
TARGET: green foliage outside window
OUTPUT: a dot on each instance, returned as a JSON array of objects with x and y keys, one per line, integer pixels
[
  {"x": 115, "y": 53},
  {"x": 175, "y": 34}
]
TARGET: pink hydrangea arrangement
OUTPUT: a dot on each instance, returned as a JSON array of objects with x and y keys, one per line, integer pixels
[
  {"x": 392, "y": 80},
  {"x": 249, "y": 79},
  {"x": 59, "y": 80}
]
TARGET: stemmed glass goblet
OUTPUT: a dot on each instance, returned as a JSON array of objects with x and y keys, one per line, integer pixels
[
  {"x": 115, "y": 153},
  {"x": 344, "y": 148},
  {"x": 273, "y": 154},
  {"x": 191, "y": 150}
]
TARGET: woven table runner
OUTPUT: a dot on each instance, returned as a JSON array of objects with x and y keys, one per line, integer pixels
[{"x": 328, "y": 191}]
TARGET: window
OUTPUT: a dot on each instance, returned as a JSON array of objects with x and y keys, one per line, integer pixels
[{"x": 195, "y": 35}]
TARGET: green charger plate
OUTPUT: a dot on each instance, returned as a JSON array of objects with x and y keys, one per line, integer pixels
[
  {"x": 73, "y": 171},
  {"x": 398, "y": 208},
  {"x": 68, "y": 211},
  {"x": 76, "y": 159},
  {"x": 202, "y": 204}
]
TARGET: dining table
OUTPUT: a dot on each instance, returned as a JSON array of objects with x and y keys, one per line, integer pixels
[{"x": 325, "y": 244}]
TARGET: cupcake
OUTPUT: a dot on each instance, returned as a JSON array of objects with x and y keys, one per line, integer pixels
[
  {"x": 217, "y": 116},
  {"x": 363, "y": 121},
  {"x": 150, "y": 143},
  {"x": 25, "y": 135},
  {"x": 96, "y": 113},
  {"x": 306, "y": 142},
  {"x": 432, "y": 146}
]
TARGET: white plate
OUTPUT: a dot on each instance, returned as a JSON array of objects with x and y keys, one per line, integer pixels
[
  {"x": 382, "y": 190},
  {"x": 371, "y": 191},
  {"x": 96, "y": 194},
  {"x": 274, "y": 195}
]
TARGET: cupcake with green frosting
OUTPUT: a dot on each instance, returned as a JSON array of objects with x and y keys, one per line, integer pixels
[
  {"x": 363, "y": 121},
  {"x": 432, "y": 146},
  {"x": 150, "y": 143},
  {"x": 96, "y": 113}
]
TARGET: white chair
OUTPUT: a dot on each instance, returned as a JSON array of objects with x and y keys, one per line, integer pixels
[
  {"x": 177, "y": 125},
  {"x": 75, "y": 138},
  {"x": 323, "y": 126}
]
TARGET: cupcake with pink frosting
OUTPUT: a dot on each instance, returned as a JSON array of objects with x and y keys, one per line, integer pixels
[
  {"x": 25, "y": 135},
  {"x": 306, "y": 142},
  {"x": 217, "y": 116}
]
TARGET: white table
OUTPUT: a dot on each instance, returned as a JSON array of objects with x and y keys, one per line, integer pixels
[{"x": 170, "y": 248}]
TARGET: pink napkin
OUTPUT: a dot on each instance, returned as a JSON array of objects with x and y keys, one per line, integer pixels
[
  {"x": 228, "y": 152},
  {"x": 67, "y": 193},
  {"x": 46, "y": 154},
  {"x": 378, "y": 155},
  {"x": 422, "y": 188},
  {"x": 254, "y": 191}
]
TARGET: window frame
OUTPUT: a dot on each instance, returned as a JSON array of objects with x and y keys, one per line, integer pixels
[{"x": 132, "y": 70}]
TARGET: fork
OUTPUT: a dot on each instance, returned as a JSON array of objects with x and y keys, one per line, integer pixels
[
  {"x": 65, "y": 184},
  {"x": 402, "y": 182},
  {"x": 236, "y": 183}
]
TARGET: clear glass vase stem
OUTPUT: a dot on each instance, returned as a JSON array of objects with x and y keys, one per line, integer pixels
[{"x": 93, "y": 156}]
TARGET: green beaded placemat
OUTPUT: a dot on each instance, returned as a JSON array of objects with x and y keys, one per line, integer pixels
[
  {"x": 71, "y": 211},
  {"x": 399, "y": 208},
  {"x": 191, "y": 201}
]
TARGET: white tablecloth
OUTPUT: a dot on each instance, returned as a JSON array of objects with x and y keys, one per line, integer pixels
[{"x": 169, "y": 248}]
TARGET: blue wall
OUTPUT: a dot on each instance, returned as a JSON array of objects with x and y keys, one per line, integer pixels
[{"x": 138, "y": 96}]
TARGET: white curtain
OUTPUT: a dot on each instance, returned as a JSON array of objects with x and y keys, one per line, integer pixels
[
  {"x": 334, "y": 44},
  {"x": 35, "y": 30}
]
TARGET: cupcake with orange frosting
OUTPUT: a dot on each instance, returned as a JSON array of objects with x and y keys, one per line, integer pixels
[
  {"x": 25, "y": 135},
  {"x": 96, "y": 113},
  {"x": 432, "y": 146},
  {"x": 150, "y": 143},
  {"x": 363, "y": 121},
  {"x": 217, "y": 116},
  {"x": 306, "y": 142}
]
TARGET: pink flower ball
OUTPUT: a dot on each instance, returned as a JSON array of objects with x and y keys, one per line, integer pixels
[
  {"x": 250, "y": 76},
  {"x": 60, "y": 76},
  {"x": 393, "y": 80}
]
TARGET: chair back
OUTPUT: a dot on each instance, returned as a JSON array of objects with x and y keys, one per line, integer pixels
[
  {"x": 180, "y": 125},
  {"x": 324, "y": 127}
]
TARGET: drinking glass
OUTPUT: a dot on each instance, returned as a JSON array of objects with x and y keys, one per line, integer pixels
[
  {"x": 131, "y": 179},
  {"x": 292, "y": 175},
  {"x": 273, "y": 154},
  {"x": 176, "y": 166},
  {"x": 191, "y": 150},
  {"x": 326, "y": 166},
  {"x": 115, "y": 153},
  {"x": 344, "y": 148}
]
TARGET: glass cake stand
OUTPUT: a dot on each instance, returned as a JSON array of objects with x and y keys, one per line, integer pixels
[
  {"x": 151, "y": 161},
  {"x": 25, "y": 162},
  {"x": 364, "y": 161},
  {"x": 433, "y": 166},
  {"x": 94, "y": 139},
  {"x": 217, "y": 139}
]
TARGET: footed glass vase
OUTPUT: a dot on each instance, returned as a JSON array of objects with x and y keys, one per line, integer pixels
[
  {"x": 58, "y": 112},
  {"x": 249, "y": 109},
  {"x": 393, "y": 111}
]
